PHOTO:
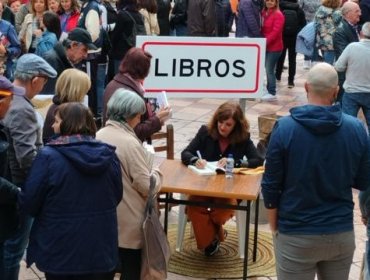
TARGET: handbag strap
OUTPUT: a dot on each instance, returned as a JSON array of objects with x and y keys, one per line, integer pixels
[{"x": 151, "y": 197}]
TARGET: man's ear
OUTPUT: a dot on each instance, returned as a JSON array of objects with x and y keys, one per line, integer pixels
[
  {"x": 306, "y": 86},
  {"x": 335, "y": 93}
]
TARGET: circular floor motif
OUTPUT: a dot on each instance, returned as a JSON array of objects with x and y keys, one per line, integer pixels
[{"x": 226, "y": 262}]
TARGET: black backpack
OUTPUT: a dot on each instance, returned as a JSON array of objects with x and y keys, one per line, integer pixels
[
  {"x": 137, "y": 29},
  {"x": 291, "y": 24}
]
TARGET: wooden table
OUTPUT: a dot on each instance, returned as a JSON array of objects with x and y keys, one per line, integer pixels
[{"x": 177, "y": 178}]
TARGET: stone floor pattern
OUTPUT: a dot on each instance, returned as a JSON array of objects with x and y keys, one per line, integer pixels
[{"x": 189, "y": 114}]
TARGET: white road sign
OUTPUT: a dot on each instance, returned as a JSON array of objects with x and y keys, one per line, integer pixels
[{"x": 204, "y": 66}]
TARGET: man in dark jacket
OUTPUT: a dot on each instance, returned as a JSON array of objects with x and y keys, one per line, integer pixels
[
  {"x": 345, "y": 34},
  {"x": 249, "y": 20},
  {"x": 178, "y": 18},
  {"x": 8, "y": 191},
  {"x": 67, "y": 55},
  {"x": 314, "y": 159},
  {"x": 202, "y": 18},
  {"x": 23, "y": 132}
]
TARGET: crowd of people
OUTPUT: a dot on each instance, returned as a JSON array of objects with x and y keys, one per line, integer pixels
[{"x": 52, "y": 171}]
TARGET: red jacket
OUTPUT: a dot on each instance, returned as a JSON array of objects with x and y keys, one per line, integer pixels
[
  {"x": 71, "y": 21},
  {"x": 272, "y": 29}
]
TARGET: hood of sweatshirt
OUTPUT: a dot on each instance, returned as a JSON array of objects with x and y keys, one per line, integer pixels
[{"x": 318, "y": 119}]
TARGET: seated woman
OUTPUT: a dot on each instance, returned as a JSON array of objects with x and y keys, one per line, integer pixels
[
  {"x": 125, "y": 109},
  {"x": 226, "y": 133},
  {"x": 72, "y": 191}
]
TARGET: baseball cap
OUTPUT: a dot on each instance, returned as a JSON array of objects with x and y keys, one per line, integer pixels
[
  {"x": 8, "y": 89},
  {"x": 82, "y": 36},
  {"x": 35, "y": 65}
]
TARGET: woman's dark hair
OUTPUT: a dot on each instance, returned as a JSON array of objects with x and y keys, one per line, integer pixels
[
  {"x": 228, "y": 110},
  {"x": 76, "y": 119},
  {"x": 150, "y": 5},
  {"x": 130, "y": 5},
  {"x": 136, "y": 62},
  {"x": 52, "y": 23}
]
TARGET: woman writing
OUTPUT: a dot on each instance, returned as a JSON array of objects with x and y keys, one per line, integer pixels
[
  {"x": 125, "y": 109},
  {"x": 72, "y": 191},
  {"x": 226, "y": 133}
]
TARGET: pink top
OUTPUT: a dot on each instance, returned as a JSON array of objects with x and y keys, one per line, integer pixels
[{"x": 272, "y": 28}]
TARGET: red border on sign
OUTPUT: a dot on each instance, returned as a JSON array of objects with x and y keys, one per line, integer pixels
[{"x": 202, "y": 44}]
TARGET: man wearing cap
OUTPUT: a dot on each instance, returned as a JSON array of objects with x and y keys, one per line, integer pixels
[
  {"x": 24, "y": 135},
  {"x": 8, "y": 191},
  {"x": 67, "y": 55}
]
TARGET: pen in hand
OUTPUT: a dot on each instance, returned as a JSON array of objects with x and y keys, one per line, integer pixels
[{"x": 200, "y": 163}]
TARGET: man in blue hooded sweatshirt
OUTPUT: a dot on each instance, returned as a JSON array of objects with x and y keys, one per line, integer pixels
[{"x": 314, "y": 159}]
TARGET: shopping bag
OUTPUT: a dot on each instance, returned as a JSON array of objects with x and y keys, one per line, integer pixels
[{"x": 156, "y": 249}]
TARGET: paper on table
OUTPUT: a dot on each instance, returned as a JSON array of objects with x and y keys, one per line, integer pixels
[
  {"x": 210, "y": 169},
  {"x": 250, "y": 171}
]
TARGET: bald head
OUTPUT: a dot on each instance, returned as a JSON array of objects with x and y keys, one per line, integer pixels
[
  {"x": 322, "y": 80},
  {"x": 351, "y": 12}
]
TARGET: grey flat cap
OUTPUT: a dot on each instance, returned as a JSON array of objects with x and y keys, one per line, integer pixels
[{"x": 33, "y": 64}]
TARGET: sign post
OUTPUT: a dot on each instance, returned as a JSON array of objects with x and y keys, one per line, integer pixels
[{"x": 205, "y": 67}]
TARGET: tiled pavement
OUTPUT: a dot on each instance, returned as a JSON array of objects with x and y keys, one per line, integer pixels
[{"x": 189, "y": 114}]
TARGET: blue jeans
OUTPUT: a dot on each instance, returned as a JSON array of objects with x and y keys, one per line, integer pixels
[
  {"x": 302, "y": 256},
  {"x": 352, "y": 102},
  {"x": 100, "y": 86},
  {"x": 179, "y": 30},
  {"x": 329, "y": 57},
  {"x": 14, "y": 249},
  {"x": 270, "y": 64}
]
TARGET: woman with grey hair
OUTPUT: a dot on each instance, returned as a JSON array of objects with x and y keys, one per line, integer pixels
[{"x": 124, "y": 111}]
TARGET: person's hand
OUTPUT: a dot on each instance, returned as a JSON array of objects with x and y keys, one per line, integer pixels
[
  {"x": 222, "y": 162},
  {"x": 37, "y": 32},
  {"x": 163, "y": 114},
  {"x": 201, "y": 163},
  {"x": 2, "y": 49},
  {"x": 364, "y": 220}
]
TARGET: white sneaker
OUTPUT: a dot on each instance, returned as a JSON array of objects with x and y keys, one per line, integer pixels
[
  {"x": 307, "y": 64},
  {"x": 268, "y": 97}
]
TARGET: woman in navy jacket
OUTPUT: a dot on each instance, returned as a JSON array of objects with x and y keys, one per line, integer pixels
[
  {"x": 226, "y": 133},
  {"x": 72, "y": 191}
]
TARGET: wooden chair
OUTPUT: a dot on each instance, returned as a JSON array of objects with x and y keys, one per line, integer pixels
[{"x": 167, "y": 145}]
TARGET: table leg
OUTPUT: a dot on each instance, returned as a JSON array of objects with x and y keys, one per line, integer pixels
[
  {"x": 256, "y": 214},
  {"x": 166, "y": 212},
  {"x": 247, "y": 225}
]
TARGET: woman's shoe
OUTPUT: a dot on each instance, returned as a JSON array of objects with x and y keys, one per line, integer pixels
[{"x": 213, "y": 248}]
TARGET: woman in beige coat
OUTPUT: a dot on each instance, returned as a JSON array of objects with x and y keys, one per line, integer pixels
[
  {"x": 148, "y": 9},
  {"x": 31, "y": 26},
  {"x": 124, "y": 111}
]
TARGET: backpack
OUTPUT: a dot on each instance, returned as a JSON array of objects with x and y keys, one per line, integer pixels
[
  {"x": 137, "y": 29},
  {"x": 291, "y": 24}
]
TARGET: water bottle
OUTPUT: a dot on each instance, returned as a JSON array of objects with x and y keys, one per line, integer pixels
[{"x": 229, "y": 166}]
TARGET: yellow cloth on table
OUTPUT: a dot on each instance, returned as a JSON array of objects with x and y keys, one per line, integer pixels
[{"x": 249, "y": 171}]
